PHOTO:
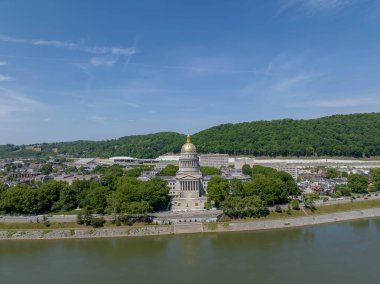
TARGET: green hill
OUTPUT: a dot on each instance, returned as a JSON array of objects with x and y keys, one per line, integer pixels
[{"x": 353, "y": 135}]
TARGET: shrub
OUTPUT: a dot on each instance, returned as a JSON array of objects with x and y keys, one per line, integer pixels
[
  {"x": 46, "y": 221},
  {"x": 80, "y": 220},
  {"x": 98, "y": 222},
  {"x": 295, "y": 204},
  {"x": 117, "y": 222},
  {"x": 278, "y": 209},
  {"x": 289, "y": 210}
]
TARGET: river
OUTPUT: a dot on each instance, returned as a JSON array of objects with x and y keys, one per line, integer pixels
[{"x": 346, "y": 252}]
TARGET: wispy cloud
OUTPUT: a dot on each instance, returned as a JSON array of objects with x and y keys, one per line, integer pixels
[
  {"x": 339, "y": 103},
  {"x": 96, "y": 119},
  {"x": 313, "y": 6},
  {"x": 121, "y": 51},
  {"x": 99, "y": 61},
  {"x": 5, "y": 78},
  {"x": 3, "y": 63},
  {"x": 198, "y": 68},
  {"x": 109, "y": 103},
  {"x": 12, "y": 102},
  {"x": 292, "y": 81}
]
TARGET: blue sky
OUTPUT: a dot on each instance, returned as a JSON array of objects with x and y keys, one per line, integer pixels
[{"x": 74, "y": 70}]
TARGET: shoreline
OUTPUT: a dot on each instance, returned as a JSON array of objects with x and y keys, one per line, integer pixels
[
  {"x": 296, "y": 222},
  {"x": 189, "y": 228}
]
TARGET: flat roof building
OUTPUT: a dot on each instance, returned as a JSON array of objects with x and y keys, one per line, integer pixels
[{"x": 214, "y": 160}]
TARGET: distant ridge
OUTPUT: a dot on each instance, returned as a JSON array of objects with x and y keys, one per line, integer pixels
[{"x": 351, "y": 135}]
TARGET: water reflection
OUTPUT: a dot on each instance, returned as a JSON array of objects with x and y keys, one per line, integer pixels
[
  {"x": 360, "y": 225},
  {"x": 334, "y": 253},
  {"x": 262, "y": 240}
]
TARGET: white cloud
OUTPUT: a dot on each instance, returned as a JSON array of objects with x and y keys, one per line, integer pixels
[
  {"x": 292, "y": 81},
  {"x": 13, "y": 102},
  {"x": 109, "y": 103},
  {"x": 3, "y": 63},
  {"x": 339, "y": 103},
  {"x": 314, "y": 6},
  {"x": 119, "y": 51},
  {"x": 99, "y": 61},
  {"x": 5, "y": 78}
]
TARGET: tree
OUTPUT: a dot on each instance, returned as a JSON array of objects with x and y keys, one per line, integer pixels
[
  {"x": 291, "y": 185},
  {"x": 261, "y": 170},
  {"x": 20, "y": 199},
  {"x": 270, "y": 189},
  {"x": 309, "y": 201},
  {"x": 169, "y": 170},
  {"x": 156, "y": 193},
  {"x": 46, "y": 169},
  {"x": 247, "y": 170},
  {"x": 295, "y": 204},
  {"x": 136, "y": 171},
  {"x": 135, "y": 197},
  {"x": 358, "y": 183},
  {"x": 96, "y": 199},
  {"x": 49, "y": 195},
  {"x": 237, "y": 207},
  {"x": 217, "y": 190},
  {"x": 68, "y": 198},
  {"x": 375, "y": 178},
  {"x": 210, "y": 171},
  {"x": 142, "y": 207},
  {"x": 332, "y": 173},
  {"x": 343, "y": 190},
  {"x": 236, "y": 187}
]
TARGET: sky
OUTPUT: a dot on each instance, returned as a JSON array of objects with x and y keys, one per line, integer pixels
[{"x": 94, "y": 70}]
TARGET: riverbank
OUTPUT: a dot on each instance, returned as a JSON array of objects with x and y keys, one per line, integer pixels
[
  {"x": 156, "y": 230},
  {"x": 295, "y": 221}
]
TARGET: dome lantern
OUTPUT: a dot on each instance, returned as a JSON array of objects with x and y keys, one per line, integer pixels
[{"x": 188, "y": 147}]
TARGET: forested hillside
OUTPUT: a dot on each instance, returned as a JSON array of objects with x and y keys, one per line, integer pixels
[{"x": 354, "y": 135}]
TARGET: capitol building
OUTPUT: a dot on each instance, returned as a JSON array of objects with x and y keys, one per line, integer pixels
[{"x": 188, "y": 188}]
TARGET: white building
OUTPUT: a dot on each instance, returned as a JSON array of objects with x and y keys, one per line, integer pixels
[
  {"x": 214, "y": 160},
  {"x": 188, "y": 181}
]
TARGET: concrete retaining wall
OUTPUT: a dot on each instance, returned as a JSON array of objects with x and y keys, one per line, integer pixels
[{"x": 153, "y": 230}]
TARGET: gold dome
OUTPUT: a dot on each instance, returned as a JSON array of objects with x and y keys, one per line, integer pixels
[{"x": 188, "y": 147}]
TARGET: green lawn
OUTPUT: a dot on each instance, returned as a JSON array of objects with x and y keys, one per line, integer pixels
[
  {"x": 68, "y": 225},
  {"x": 31, "y": 226},
  {"x": 326, "y": 209},
  {"x": 355, "y": 205}
]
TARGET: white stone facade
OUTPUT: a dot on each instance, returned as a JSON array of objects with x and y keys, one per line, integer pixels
[{"x": 188, "y": 185}]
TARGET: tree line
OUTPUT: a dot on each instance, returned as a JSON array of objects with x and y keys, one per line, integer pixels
[
  {"x": 113, "y": 193},
  {"x": 354, "y": 135}
]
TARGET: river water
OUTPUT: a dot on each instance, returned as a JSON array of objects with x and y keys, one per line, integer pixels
[{"x": 334, "y": 253}]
